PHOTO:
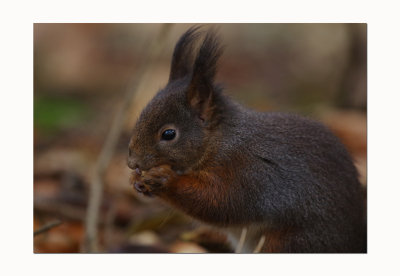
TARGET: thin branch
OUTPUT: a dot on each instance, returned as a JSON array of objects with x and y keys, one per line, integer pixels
[
  {"x": 47, "y": 227},
  {"x": 239, "y": 246},
  {"x": 107, "y": 151},
  {"x": 260, "y": 244},
  {"x": 109, "y": 224}
]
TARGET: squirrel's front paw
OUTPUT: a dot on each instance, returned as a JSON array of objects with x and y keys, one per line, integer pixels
[{"x": 151, "y": 181}]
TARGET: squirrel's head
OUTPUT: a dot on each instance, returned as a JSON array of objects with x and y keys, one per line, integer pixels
[{"x": 173, "y": 128}]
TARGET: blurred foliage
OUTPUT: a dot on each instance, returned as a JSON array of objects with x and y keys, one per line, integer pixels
[{"x": 53, "y": 114}]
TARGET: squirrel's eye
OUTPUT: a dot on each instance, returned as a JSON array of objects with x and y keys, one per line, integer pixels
[{"x": 168, "y": 134}]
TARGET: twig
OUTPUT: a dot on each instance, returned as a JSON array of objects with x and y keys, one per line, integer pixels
[
  {"x": 108, "y": 225},
  {"x": 97, "y": 185},
  {"x": 47, "y": 227},
  {"x": 260, "y": 244},
  {"x": 241, "y": 240}
]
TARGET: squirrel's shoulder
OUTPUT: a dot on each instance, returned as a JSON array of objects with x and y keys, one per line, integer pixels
[
  {"x": 281, "y": 134},
  {"x": 251, "y": 122}
]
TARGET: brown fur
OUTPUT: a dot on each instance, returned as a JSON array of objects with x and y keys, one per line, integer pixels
[{"x": 277, "y": 241}]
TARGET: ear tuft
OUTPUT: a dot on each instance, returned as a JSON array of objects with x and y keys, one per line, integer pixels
[
  {"x": 182, "y": 58},
  {"x": 205, "y": 66},
  {"x": 201, "y": 92}
]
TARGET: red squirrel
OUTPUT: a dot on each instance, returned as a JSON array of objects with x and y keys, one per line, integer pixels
[{"x": 284, "y": 178}]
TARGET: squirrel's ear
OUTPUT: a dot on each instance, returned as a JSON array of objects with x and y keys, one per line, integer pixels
[
  {"x": 182, "y": 58},
  {"x": 201, "y": 88}
]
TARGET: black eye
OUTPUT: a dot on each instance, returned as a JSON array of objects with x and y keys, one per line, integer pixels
[{"x": 168, "y": 134}]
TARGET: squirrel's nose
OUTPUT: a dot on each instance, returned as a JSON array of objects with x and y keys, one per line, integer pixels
[
  {"x": 132, "y": 161},
  {"x": 132, "y": 164}
]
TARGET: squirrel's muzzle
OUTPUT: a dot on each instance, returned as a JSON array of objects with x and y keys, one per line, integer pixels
[{"x": 133, "y": 161}]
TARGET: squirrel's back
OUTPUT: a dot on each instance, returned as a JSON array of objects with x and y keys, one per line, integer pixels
[{"x": 299, "y": 179}]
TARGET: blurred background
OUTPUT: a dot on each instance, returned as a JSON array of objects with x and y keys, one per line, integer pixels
[{"x": 86, "y": 74}]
